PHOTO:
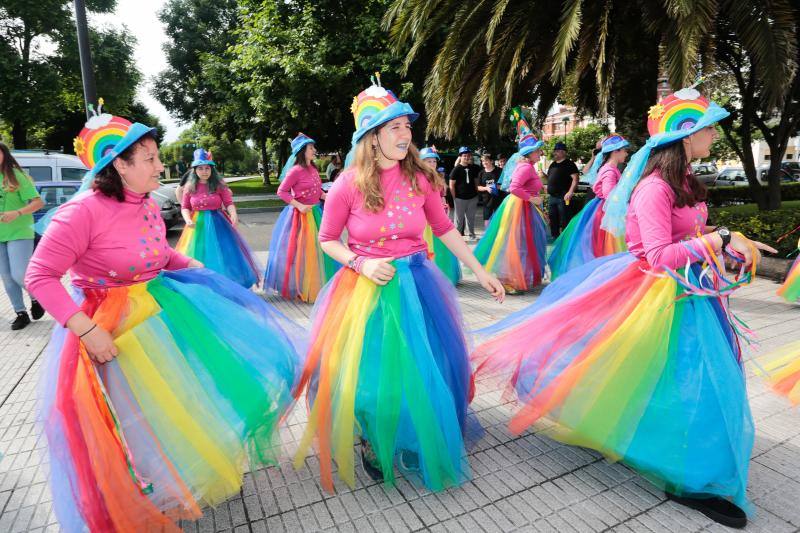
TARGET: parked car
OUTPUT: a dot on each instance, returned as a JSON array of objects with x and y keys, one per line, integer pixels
[
  {"x": 785, "y": 174},
  {"x": 793, "y": 167},
  {"x": 49, "y": 166},
  {"x": 166, "y": 200},
  {"x": 53, "y": 194},
  {"x": 705, "y": 172},
  {"x": 731, "y": 176}
]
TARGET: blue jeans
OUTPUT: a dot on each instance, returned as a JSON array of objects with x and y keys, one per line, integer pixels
[
  {"x": 557, "y": 211},
  {"x": 14, "y": 257}
]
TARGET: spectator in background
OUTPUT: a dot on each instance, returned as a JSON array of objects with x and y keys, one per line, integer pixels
[
  {"x": 464, "y": 188},
  {"x": 501, "y": 161},
  {"x": 334, "y": 167},
  {"x": 562, "y": 181},
  {"x": 488, "y": 179}
]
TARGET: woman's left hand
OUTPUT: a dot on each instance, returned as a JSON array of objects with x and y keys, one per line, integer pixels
[
  {"x": 194, "y": 263},
  {"x": 9, "y": 216},
  {"x": 234, "y": 219},
  {"x": 492, "y": 285}
]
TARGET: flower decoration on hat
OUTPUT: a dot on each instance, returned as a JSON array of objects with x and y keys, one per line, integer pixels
[
  {"x": 526, "y": 140},
  {"x": 99, "y": 135}
]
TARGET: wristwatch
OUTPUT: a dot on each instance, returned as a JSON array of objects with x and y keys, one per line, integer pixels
[{"x": 726, "y": 236}]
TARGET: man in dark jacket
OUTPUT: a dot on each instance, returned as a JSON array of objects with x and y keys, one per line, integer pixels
[
  {"x": 464, "y": 187},
  {"x": 488, "y": 186},
  {"x": 562, "y": 181}
]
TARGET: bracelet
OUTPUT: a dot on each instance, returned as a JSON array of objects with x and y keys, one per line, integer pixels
[{"x": 87, "y": 331}]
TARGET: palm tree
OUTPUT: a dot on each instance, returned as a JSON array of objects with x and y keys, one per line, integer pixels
[{"x": 496, "y": 53}]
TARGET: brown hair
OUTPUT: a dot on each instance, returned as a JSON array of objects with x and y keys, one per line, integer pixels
[
  {"x": 672, "y": 163},
  {"x": 300, "y": 158},
  {"x": 108, "y": 181},
  {"x": 368, "y": 176},
  {"x": 10, "y": 182}
]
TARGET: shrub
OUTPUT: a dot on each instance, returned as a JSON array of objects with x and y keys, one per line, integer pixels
[{"x": 764, "y": 226}]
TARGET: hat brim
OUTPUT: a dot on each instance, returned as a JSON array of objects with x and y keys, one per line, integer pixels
[
  {"x": 713, "y": 114},
  {"x": 528, "y": 149},
  {"x": 201, "y": 163},
  {"x": 615, "y": 146},
  {"x": 432, "y": 156},
  {"x": 134, "y": 133},
  {"x": 396, "y": 110},
  {"x": 302, "y": 145}
]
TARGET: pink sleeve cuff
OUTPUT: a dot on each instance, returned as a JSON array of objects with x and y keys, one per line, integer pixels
[{"x": 177, "y": 261}]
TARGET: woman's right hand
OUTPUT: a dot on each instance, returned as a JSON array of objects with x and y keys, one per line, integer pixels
[
  {"x": 303, "y": 208},
  {"x": 750, "y": 250},
  {"x": 189, "y": 223},
  {"x": 379, "y": 271},
  {"x": 99, "y": 345}
]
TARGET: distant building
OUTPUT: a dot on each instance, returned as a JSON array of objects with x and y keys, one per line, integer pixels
[
  {"x": 762, "y": 155},
  {"x": 563, "y": 120}
]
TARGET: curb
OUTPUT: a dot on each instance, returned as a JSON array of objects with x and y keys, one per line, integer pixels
[
  {"x": 245, "y": 210},
  {"x": 774, "y": 268}
]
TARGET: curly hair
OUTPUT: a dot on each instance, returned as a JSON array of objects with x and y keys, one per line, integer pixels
[{"x": 108, "y": 181}]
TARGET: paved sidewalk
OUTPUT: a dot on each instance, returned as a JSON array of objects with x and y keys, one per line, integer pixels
[{"x": 527, "y": 483}]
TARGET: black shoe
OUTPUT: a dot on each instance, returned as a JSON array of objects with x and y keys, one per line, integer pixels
[
  {"x": 21, "y": 321},
  {"x": 37, "y": 311},
  {"x": 370, "y": 462},
  {"x": 717, "y": 509}
]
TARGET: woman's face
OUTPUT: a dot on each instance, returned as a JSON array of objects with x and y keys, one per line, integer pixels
[
  {"x": 203, "y": 172},
  {"x": 621, "y": 155},
  {"x": 534, "y": 156},
  {"x": 392, "y": 140},
  {"x": 310, "y": 152},
  {"x": 142, "y": 172},
  {"x": 431, "y": 162},
  {"x": 2, "y": 157},
  {"x": 698, "y": 144}
]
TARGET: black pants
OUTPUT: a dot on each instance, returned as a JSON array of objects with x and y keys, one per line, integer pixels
[{"x": 558, "y": 213}]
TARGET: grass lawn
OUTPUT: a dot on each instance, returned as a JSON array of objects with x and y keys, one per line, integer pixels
[
  {"x": 260, "y": 203},
  {"x": 252, "y": 186},
  {"x": 752, "y": 209}
]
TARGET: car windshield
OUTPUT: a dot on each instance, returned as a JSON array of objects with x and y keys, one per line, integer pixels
[
  {"x": 38, "y": 173},
  {"x": 72, "y": 174}
]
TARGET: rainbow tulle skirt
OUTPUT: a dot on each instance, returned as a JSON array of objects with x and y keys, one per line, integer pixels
[
  {"x": 442, "y": 257},
  {"x": 204, "y": 375},
  {"x": 621, "y": 365},
  {"x": 389, "y": 363},
  {"x": 583, "y": 240},
  {"x": 513, "y": 247},
  {"x": 215, "y": 242},
  {"x": 297, "y": 268},
  {"x": 790, "y": 290}
]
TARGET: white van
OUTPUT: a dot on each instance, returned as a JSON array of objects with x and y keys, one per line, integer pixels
[{"x": 46, "y": 165}]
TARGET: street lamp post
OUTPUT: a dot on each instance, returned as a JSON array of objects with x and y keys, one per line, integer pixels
[
  {"x": 565, "y": 120},
  {"x": 87, "y": 74}
]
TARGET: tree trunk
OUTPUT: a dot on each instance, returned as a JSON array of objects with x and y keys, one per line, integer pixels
[
  {"x": 634, "y": 91},
  {"x": 19, "y": 134},
  {"x": 262, "y": 147}
]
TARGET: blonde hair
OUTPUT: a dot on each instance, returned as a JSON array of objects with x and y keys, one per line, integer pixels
[{"x": 368, "y": 177}]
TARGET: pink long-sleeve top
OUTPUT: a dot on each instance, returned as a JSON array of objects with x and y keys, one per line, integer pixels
[
  {"x": 607, "y": 178},
  {"x": 302, "y": 184},
  {"x": 396, "y": 230},
  {"x": 101, "y": 243},
  {"x": 657, "y": 230},
  {"x": 525, "y": 181},
  {"x": 201, "y": 199}
]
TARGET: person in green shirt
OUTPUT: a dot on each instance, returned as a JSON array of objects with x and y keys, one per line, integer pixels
[{"x": 18, "y": 201}]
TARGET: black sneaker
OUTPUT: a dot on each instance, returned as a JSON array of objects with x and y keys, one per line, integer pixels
[
  {"x": 37, "y": 311},
  {"x": 21, "y": 321},
  {"x": 370, "y": 462},
  {"x": 717, "y": 509}
]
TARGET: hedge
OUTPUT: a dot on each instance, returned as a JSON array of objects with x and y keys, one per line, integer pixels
[
  {"x": 764, "y": 226},
  {"x": 724, "y": 196}
]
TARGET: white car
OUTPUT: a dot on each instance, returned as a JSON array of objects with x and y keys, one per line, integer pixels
[{"x": 44, "y": 165}]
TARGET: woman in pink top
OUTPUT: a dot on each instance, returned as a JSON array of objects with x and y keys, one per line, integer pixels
[
  {"x": 210, "y": 235},
  {"x": 297, "y": 268},
  {"x": 634, "y": 354},
  {"x": 388, "y": 355},
  {"x": 584, "y": 239},
  {"x": 513, "y": 247},
  {"x": 162, "y": 384}
]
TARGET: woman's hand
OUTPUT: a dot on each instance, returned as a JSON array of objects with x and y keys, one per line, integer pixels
[
  {"x": 234, "y": 219},
  {"x": 303, "y": 208},
  {"x": 194, "y": 263},
  {"x": 189, "y": 223},
  {"x": 492, "y": 285},
  {"x": 536, "y": 200},
  {"x": 750, "y": 250},
  {"x": 99, "y": 345},
  {"x": 9, "y": 216},
  {"x": 379, "y": 271}
]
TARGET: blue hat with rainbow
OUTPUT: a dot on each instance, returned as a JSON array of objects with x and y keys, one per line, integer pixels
[
  {"x": 677, "y": 116},
  {"x": 301, "y": 141},
  {"x": 429, "y": 152},
  {"x": 375, "y": 106},
  {"x": 202, "y": 157}
]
